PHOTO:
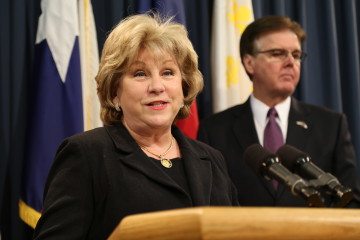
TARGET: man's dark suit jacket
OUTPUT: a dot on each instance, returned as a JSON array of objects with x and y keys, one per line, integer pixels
[
  {"x": 326, "y": 139},
  {"x": 102, "y": 175}
]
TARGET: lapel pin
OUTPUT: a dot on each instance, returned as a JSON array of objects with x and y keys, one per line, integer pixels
[{"x": 302, "y": 124}]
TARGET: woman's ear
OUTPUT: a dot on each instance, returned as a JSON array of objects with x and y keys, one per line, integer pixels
[
  {"x": 116, "y": 103},
  {"x": 115, "y": 100}
]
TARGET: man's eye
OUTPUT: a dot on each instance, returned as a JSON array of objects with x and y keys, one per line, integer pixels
[
  {"x": 278, "y": 53},
  {"x": 296, "y": 55}
]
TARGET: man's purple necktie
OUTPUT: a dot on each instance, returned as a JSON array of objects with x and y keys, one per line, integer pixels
[{"x": 273, "y": 138}]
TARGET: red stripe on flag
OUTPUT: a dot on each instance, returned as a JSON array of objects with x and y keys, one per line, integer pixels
[{"x": 190, "y": 125}]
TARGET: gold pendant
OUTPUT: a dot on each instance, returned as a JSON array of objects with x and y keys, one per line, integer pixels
[{"x": 166, "y": 163}]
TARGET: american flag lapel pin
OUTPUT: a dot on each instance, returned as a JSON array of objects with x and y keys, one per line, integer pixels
[{"x": 302, "y": 124}]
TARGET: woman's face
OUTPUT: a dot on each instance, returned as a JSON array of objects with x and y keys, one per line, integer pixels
[{"x": 150, "y": 92}]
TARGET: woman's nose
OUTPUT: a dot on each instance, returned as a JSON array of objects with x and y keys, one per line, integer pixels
[{"x": 156, "y": 84}]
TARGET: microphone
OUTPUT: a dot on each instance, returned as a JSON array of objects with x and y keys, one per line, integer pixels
[
  {"x": 268, "y": 165},
  {"x": 299, "y": 162}
]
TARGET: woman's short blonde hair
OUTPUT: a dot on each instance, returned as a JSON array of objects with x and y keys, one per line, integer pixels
[{"x": 121, "y": 49}]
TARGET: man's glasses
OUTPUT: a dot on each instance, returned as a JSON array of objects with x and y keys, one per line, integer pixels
[{"x": 283, "y": 54}]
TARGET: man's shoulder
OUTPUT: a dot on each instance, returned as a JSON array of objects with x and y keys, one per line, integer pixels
[
  {"x": 224, "y": 115},
  {"x": 315, "y": 109}
]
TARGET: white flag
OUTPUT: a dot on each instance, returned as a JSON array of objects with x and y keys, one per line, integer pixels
[
  {"x": 89, "y": 56},
  {"x": 230, "y": 83}
]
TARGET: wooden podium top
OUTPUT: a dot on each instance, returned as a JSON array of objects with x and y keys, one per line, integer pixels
[{"x": 215, "y": 223}]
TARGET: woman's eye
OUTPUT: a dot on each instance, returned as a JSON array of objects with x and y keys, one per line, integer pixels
[
  {"x": 168, "y": 73},
  {"x": 139, "y": 74}
]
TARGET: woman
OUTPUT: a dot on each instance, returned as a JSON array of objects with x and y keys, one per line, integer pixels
[{"x": 139, "y": 161}]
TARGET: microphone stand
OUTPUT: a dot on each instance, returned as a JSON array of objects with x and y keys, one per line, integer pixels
[{"x": 330, "y": 185}]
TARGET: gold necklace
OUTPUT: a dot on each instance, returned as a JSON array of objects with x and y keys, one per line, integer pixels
[{"x": 164, "y": 161}]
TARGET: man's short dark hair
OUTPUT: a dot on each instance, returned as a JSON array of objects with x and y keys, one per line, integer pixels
[{"x": 266, "y": 25}]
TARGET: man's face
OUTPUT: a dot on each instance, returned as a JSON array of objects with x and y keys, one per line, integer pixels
[{"x": 275, "y": 73}]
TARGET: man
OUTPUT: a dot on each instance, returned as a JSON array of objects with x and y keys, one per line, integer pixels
[{"x": 271, "y": 53}]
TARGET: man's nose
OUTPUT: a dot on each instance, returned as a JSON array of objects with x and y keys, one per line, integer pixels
[{"x": 290, "y": 59}]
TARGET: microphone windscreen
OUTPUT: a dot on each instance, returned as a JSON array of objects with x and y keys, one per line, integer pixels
[
  {"x": 289, "y": 155},
  {"x": 255, "y": 155}
]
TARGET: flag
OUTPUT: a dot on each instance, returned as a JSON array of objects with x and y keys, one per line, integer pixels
[
  {"x": 190, "y": 125},
  {"x": 62, "y": 92},
  {"x": 230, "y": 83},
  {"x": 168, "y": 8},
  {"x": 89, "y": 55}
]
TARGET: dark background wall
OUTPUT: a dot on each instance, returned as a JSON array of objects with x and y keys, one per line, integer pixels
[{"x": 330, "y": 74}]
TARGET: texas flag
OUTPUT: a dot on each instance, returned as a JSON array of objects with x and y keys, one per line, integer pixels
[
  {"x": 63, "y": 99},
  {"x": 230, "y": 83}
]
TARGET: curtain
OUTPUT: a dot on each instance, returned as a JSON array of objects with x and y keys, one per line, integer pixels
[{"x": 18, "y": 20}]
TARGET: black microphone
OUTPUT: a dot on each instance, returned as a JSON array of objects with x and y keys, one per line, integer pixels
[
  {"x": 268, "y": 165},
  {"x": 299, "y": 162}
]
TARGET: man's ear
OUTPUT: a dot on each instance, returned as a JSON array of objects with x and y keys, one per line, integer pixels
[{"x": 248, "y": 62}]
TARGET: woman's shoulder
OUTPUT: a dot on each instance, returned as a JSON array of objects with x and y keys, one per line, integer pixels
[
  {"x": 86, "y": 143},
  {"x": 94, "y": 138},
  {"x": 96, "y": 134},
  {"x": 197, "y": 146},
  {"x": 204, "y": 149}
]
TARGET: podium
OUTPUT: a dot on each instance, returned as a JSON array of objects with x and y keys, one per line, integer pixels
[{"x": 244, "y": 223}]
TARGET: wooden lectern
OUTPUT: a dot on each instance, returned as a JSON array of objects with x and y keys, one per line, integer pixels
[{"x": 230, "y": 223}]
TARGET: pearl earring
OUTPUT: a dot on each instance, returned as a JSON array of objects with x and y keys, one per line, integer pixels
[{"x": 117, "y": 108}]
